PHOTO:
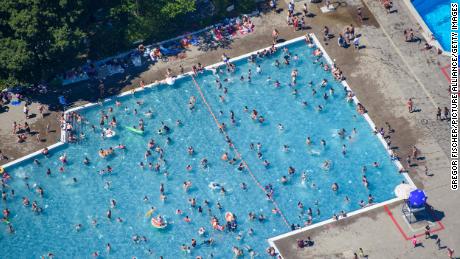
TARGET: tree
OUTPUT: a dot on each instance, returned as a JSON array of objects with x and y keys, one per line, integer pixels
[
  {"x": 42, "y": 38},
  {"x": 39, "y": 38}
]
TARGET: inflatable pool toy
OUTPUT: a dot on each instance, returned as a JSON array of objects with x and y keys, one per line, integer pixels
[
  {"x": 170, "y": 80},
  {"x": 2, "y": 170},
  {"x": 108, "y": 133},
  {"x": 149, "y": 212},
  {"x": 215, "y": 225},
  {"x": 229, "y": 217},
  {"x": 137, "y": 131},
  {"x": 159, "y": 224},
  {"x": 103, "y": 153}
]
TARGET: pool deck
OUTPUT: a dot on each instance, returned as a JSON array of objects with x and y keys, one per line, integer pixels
[{"x": 383, "y": 74}]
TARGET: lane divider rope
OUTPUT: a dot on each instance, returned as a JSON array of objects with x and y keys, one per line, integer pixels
[{"x": 238, "y": 154}]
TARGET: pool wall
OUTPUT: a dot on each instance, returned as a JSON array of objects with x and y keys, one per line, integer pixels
[
  {"x": 63, "y": 139},
  {"x": 426, "y": 32}
]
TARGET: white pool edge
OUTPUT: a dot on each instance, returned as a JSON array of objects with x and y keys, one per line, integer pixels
[
  {"x": 272, "y": 240},
  {"x": 212, "y": 67},
  {"x": 426, "y": 30}
]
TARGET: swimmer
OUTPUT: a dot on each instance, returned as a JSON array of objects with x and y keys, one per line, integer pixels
[
  {"x": 109, "y": 214},
  {"x": 258, "y": 69},
  {"x": 261, "y": 218},
  {"x": 285, "y": 148},
  {"x": 365, "y": 182},
  {"x": 266, "y": 163},
  {"x": 243, "y": 186},
  {"x": 108, "y": 248},
  {"x": 86, "y": 161},
  {"x": 334, "y": 187},
  {"x": 344, "y": 149},
  {"x": 375, "y": 164},
  {"x": 308, "y": 141},
  {"x": 284, "y": 179},
  {"x": 78, "y": 227},
  {"x": 113, "y": 203},
  {"x": 187, "y": 185},
  {"x": 63, "y": 158},
  {"x": 323, "y": 142},
  {"x": 326, "y": 165},
  {"x": 304, "y": 177},
  {"x": 370, "y": 199},
  {"x": 148, "y": 113},
  {"x": 25, "y": 201},
  {"x": 280, "y": 127},
  {"x": 324, "y": 83}
]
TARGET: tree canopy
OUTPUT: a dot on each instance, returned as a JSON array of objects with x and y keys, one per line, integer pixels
[{"x": 41, "y": 38}]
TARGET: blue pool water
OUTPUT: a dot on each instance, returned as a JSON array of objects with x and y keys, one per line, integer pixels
[
  {"x": 436, "y": 14},
  {"x": 66, "y": 203}
]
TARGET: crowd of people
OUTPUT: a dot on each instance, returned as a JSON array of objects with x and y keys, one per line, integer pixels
[{"x": 306, "y": 215}]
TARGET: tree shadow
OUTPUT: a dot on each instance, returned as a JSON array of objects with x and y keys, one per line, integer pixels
[{"x": 88, "y": 90}]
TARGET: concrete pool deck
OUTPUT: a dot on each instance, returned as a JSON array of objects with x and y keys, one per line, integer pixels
[{"x": 384, "y": 75}]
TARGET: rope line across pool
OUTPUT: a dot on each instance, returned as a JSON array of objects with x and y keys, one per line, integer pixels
[{"x": 238, "y": 154}]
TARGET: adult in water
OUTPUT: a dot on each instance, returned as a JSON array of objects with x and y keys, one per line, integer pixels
[{"x": 334, "y": 187}]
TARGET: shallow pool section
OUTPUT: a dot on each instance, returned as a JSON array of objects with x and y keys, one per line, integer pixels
[
  {"x": 436, "y": 14},
  {"x": 77, "y": 197}
]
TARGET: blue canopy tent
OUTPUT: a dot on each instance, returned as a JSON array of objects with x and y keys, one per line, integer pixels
[
  {"x": 62, "y": 101},
  {"x": 415, "y": 203}
]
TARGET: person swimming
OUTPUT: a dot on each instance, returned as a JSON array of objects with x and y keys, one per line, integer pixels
[
  {"x": 334, "y": 187},
  {"x": 326, "y": 165},
  {"x": 280, "y": 127},
  {"x": 304, "y": 177}
]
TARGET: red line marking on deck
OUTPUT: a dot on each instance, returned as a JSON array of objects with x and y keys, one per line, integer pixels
[
  {"x": 396, "y": 223},
  {"x": 444, "y": 72},
  {"x": 390, "y": 214}
]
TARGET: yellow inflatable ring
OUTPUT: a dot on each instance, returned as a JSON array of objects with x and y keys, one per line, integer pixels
[{"x": 2, "y": 170}]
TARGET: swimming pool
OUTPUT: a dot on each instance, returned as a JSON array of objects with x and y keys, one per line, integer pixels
[
  {"x": 436, "y": 14},
  {"x": 67, "y": 203}
]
